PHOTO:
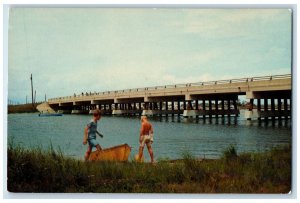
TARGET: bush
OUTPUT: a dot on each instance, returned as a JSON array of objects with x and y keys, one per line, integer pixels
[{"x": 230, "y": 153}]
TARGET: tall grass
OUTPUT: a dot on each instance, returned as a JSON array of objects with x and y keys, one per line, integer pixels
[{"x": 39, "y": 171}]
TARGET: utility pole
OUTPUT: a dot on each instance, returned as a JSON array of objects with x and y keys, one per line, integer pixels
[
  {"x": 34, "y": 96},
  {"x": 45, "y": 98},
  {"x": 31, "y": 90}
]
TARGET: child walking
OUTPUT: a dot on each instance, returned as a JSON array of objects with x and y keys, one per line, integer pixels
[{"x": 90, "y": 134}]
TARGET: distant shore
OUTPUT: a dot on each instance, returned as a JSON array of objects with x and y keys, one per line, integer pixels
[{"x": 22, "y": 108}]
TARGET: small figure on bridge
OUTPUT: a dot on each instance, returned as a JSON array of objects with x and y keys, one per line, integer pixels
[
  {"x": 146, "y": 137},
  {"x": 90, "y": 132}
]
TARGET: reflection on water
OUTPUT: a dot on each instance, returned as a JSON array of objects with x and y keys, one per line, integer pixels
[
  {"x": 173, "y": 135},
  {"x": 226, "y": 121}
]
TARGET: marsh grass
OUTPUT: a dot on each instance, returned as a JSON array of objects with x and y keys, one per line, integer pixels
[{"x": 35, "y": 170}]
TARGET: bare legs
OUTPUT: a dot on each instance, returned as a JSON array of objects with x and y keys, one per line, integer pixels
[
  {"x": 87, "y": 153},
  {"x": 141, "y": 149},
  {"x": 98, "y": 147},
  {"x": 89, "y": 150},
  {"x": 151, "y": 153}
]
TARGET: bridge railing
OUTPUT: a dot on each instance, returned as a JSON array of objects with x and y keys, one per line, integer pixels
[
  {"x": 208, "y": 83},
  {"x": 261, "y": 78}
]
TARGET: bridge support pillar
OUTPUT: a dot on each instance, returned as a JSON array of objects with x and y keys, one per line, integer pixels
[
  {"x": 223, "y": 107},
  {"x": 189, "y": 113},
  {"x": 210, "y": 108},
  {"x": 117, "y": 112},
  {"x": 76, "y": 111},
  {"x": 147, "y": 113},
  {"x": 252, "y": 114},
  {"x": 279, "y": 109},
  {"x": 203, "y": 107},
  {"x": 64, "y": 111}
]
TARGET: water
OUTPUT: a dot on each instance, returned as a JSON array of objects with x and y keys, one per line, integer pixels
[{"x": 172, "y": 136}]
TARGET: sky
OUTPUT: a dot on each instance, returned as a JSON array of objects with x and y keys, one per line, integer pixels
[{"x": 75, "y": 50}]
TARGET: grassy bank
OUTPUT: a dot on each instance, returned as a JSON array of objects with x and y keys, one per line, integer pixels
[
  {"x": 22, "y": 108},
  {"x": 37, "y": 171}
]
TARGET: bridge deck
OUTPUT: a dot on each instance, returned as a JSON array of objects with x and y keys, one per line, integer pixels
[
  {"x": 155, "y": 100},
  {"x": 251, "y": 87}
]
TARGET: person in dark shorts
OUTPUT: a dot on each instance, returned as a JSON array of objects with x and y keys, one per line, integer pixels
[{"x": 90, "y": 132}]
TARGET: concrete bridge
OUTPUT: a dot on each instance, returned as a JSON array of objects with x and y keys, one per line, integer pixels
[{"x": 268, "y": 96}]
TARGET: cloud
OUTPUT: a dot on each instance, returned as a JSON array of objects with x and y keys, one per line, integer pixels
[{"x": 228, "y": 23}]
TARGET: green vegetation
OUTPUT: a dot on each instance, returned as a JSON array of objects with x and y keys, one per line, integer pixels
[{"x": 38, "y": 171}]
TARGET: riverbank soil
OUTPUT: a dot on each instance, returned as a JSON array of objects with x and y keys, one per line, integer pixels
[
  {"x": 22, "y": 108},
  {"x": 39, "y": 171}
]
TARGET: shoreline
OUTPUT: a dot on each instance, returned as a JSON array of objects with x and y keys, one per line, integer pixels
[{"x": 22, "y": 108}]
